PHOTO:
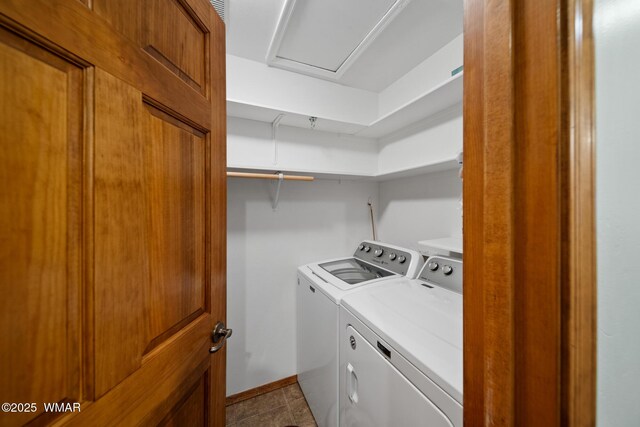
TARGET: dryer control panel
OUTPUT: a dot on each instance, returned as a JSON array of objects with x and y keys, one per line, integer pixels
[
  {"x": 444, "y": 272},
  {"x": 389, "y": 257}
]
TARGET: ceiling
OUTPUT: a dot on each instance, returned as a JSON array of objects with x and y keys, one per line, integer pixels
[{"x": 419, "y": 30}]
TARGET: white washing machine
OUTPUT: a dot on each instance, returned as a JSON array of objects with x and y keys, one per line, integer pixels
[
  {"x": 321, "y": 287},
  {"x": 401, "y": 350}
]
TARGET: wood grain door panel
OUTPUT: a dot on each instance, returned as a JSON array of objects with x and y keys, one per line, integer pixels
[
  {"x": 41, "y": 97},
  {"x": 123, "y": 15},
  {"x": 112, "y": 210},
  {"x": 176, "y": 186},
  {"x": 174, "y": 36},
  {"x": 170, "y": 31},
  {"x": 150, "y": 175},
  {"x": 190, "y": 411}
]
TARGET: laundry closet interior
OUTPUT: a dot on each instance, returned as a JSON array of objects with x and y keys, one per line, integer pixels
[{"x": 344, "y": 135}]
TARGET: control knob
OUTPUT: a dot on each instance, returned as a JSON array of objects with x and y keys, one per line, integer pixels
[
  {"x": 392, "y": 256},
  {"x": 378, "y": 252},
  {"x": 433, "y": 266},
  {"x": 447, "y": 270},
  {"x": 402, "y": 259},
  {"x": 367, "y": 249},
  {"x": 361, "y": 247}
]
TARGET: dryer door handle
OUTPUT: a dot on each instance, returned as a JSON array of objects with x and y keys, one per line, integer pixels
[{"x": 352, "y": 384}]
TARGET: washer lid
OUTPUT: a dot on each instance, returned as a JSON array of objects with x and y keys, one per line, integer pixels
[
  {"x": 422, "y": 323},
  {"x": 353, "y": 271}
]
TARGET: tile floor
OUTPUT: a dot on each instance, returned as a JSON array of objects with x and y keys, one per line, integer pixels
[{"x": 279, "y": 408}]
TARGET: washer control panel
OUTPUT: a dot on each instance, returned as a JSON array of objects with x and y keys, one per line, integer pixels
[
  {"x": 390, "y": 258},
  {"x": 444, "y": 272}
]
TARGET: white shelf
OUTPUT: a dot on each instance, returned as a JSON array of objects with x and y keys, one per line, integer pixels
[
  {"x": 439, "y": 98},
  {"x": 267, "y": 114},
  {"x": 442, "y": 165}
]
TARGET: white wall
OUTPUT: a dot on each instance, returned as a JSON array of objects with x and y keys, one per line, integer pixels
[
  {"x": 249, "y": 144},
  {"x": 419, "y": 208},
  {"x": 617, "y": 32},
  {"x": 256, "y": 83},
  {"x": 314, "y": 221}
]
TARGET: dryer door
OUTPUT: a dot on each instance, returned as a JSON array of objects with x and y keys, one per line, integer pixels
[{"x": 374, "y": 393}]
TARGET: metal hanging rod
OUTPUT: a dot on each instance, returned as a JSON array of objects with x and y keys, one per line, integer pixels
[{"x": 269, "y": 176}]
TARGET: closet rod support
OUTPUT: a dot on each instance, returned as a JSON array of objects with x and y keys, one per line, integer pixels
[
  {"x": 275, "y": 200},
  {"x": 274, "y": 136}
]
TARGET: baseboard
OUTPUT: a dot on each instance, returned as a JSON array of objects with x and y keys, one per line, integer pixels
[{"x": 265, "y": 388}]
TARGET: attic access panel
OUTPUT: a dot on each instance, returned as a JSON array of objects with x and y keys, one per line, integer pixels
[{"x": 323, "y": 38}]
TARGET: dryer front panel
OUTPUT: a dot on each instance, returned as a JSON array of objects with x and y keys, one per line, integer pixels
[{"x": 374, "y": 393}]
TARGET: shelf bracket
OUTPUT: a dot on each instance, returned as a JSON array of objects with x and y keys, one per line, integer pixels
[
  {"x": 274, "y": 128},
  {"x": 274, "y": 203}
]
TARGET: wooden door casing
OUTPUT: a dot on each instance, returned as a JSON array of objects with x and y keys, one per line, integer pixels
[
  {"x": 529, "y": 245},
  {"x": 113, "y": 210}
]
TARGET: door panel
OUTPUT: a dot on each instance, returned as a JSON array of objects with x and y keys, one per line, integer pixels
[
  {"x": 175, "y": 177},
  {"x": 40, "y": 271},
  {"x": 113, "y": 210},
  {"x": 147, "y": 395},
  {"x": 175, "y": 38},
  {"x": 147, "y": 288},
  {"x": 190, "y": 411},
  {"x": 122, "y": 270},
  {"x": 70, "y": 25},
  {"x": 123, "y": 15}
]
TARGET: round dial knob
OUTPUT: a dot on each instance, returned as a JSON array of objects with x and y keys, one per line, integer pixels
[
  {"x": 378, "y": 252},
  {"x": 392, "y": 256},
  {"x": 433, "y": 266},
  {"x": 447, "y": 270},
  {"x": 367, "y": 249},
  {"x": 361, "y": 247},
  {"x": 402, "y": 259}
]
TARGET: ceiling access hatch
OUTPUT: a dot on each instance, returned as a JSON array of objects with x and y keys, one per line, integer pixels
[{"x": 323, "y": 38}]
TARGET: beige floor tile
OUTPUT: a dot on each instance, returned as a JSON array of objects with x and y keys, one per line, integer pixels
[
  {"x": 301, "y": 412},
  {"x": 260, "y": 404},
  {"x": 276, "y": 417},
  {"x": 231, "y": 414},
  {"x": 292, "y": 392}
]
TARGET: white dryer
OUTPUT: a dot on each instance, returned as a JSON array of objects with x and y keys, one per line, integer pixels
[
  {"x": 321, "y": 287},
  {"x": 401, "y": 350}
]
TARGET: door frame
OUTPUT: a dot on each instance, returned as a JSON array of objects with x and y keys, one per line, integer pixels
[{"x": 529, "y": 213}]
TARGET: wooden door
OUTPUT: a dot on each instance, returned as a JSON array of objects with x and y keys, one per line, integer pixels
[{"x": 112, "y": 212}]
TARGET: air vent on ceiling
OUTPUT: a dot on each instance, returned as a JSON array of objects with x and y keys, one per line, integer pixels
[{"x": 219, "y": 6}]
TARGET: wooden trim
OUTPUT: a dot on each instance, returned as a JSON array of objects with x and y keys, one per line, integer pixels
[
  {"x": 217, "y": 209},
  {"x": 529, "y": 245},
  {"x": 579, "y": 240},
  {"x": 265, "y": 388}
]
